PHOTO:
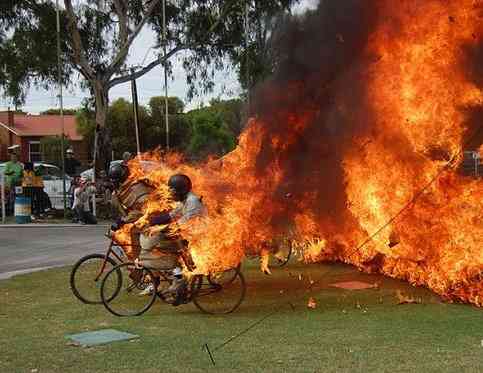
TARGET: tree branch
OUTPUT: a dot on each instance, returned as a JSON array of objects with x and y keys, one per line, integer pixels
[
  {"x": 124, "y": 49},
  {"x": 123, "y": 22},
  {"x": 147, "y": 68},
  {"x": 79, "y": 56}
]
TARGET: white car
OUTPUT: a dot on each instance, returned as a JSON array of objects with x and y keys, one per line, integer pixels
[{"x": 52, "y": 177}]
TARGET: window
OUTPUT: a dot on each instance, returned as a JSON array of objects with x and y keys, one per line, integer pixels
[{"x": 35, "y": 152}]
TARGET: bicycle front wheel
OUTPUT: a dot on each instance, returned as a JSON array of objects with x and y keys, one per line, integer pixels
[
  {"x": 137, "y": 293},
  {"x": 282, "y": 255},
  {"x": 87, "y": 274},
  {"x": 214, "y": 295}
]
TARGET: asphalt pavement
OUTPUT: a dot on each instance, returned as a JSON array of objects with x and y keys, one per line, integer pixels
[{"x": 29, "y": 248}]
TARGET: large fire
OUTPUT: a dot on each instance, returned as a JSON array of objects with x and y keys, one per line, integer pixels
[{"x": 353, "y": 151}]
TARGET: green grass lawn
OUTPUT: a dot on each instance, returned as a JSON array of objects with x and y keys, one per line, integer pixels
[{"x": 360, "y": 330}]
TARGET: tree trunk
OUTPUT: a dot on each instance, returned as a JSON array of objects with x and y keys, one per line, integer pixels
[{"x": 104, "y": 144}]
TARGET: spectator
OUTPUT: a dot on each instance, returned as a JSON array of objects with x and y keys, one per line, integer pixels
[
  {"x": 71, "y": 164},
  {"x": 29, "y": 190},
  {"x": 44, "y": 204},
  {"x": 70, "y": 192},
  {"x": 126, "y": 157},
  {"x": 82, "y": 193},
  {"x": 13, "y": 170},
  {"x": 13, "y": 177}
]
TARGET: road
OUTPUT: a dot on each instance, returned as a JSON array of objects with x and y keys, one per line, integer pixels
[{"x": 26, "y": 249}]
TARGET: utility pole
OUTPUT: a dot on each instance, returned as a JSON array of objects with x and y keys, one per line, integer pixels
[
  {"x": 136, "y": 111},
  {"x": 247, "y": 58},
  {"x": 61, "y": 104},
  {"x": 165, "y": 41}
]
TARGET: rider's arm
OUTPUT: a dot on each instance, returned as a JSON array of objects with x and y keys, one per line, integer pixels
[{"x": 161, "y": 218}]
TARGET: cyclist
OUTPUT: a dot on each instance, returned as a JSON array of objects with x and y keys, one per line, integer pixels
[{"x": 189, "y": 206}]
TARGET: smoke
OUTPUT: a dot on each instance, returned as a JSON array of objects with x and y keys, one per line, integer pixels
[{"x": 315, "y": 104}]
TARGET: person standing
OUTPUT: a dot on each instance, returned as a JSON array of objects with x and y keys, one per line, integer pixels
[
  {"x": 13, "y": 177},
  {"x": 29, "y": 189},
  {"x": 71, "y": 164},
  {"x": 13, "y": 171},
  {"x": 82, "y": 193}
]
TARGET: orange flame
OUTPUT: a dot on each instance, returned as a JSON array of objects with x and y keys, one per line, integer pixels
[{"x": 400, "y": 179}]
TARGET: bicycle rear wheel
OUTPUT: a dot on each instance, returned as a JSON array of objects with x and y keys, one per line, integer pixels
[
  {"x": 128, "y": 301},
  {"x": 225, "y": 277},
  {"x": 219, "y": 296},
  {"x": 87, "y": 274}
]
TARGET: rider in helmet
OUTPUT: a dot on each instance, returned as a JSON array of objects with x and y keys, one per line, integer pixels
[
  {"x": 189, "y": 206},
  {"x": 118, "y": 173},
  {"x": 128, "y": 199}
]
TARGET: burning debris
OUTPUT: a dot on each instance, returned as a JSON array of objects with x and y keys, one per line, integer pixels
[
  {"x": 406, "y": 299},
  {"x": 341, "y": 146},
  {"x": 312, "y": 303}
]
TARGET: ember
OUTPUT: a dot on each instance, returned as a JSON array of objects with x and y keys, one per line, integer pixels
[{"x": 356, "y": 139}]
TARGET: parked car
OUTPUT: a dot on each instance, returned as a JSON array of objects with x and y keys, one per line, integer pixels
[{"x": 52, "y": 177}]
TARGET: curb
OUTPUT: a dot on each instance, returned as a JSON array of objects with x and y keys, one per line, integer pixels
[{"x": 9, "y": 275}]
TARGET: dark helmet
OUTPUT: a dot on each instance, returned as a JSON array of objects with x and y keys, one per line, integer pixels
[
  {"x": 180, "y": 185},
  {"x": 118, "y": 173}
]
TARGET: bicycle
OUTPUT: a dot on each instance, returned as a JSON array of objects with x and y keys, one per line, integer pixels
[
  {"x": 87, "y": 273},
  {"x": 99, "y": 278},
  {"x": 220, "y": 293}
]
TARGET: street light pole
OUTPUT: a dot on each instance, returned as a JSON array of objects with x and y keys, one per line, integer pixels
[
  {"x": 134, "y": 92},
  {"x": 247, "y": 60},
  {"x": 61, "y": 104},
  {"x": 166, "y": 118}
]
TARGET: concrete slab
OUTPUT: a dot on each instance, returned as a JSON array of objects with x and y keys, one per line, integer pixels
[{"x": 100, "y": 337}]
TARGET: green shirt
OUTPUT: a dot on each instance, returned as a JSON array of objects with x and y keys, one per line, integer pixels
[{"x": 13, "y": 173}]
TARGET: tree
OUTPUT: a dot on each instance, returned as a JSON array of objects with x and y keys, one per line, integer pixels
[
  {"x": 231, "y": 111},
  {"x": 57, "y": 112},
  {"x": 52, "y": 149},
  {"x": 98, "y": 37},
  {"x": 120, "y": 123},
  {"x": 179, "y": 130},
  {"x": 209, "y": 134}
]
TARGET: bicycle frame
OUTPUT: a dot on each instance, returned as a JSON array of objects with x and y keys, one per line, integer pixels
[{"x": 110, "y": 251}]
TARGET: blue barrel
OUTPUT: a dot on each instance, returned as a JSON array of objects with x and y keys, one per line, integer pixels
[{"x": 23, "y": 209}]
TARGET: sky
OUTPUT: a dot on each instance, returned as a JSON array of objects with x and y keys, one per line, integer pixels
[{"x": 149, "y": 85}]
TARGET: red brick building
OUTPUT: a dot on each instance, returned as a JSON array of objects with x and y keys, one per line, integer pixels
[{"x": 28, "y": 130}]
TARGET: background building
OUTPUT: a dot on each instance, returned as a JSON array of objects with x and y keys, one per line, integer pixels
[{"x": 27, "y": 131}]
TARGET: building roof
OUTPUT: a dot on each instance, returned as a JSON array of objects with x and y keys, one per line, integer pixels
[{"x": 44, "y": 125}]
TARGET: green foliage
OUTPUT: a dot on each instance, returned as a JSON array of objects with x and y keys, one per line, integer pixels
[
  {"x": 27, "y": 47},
  {"x": 57, "y": 112},
  {"x": 212, "y": 32},
  {"x": 209, "y": 134},
  {"x": 52, "y": 149},
  {"x": 86, "y": 125},
  {"x": 231, "y": 112},
  {"x": 120, "y": 122},
  {"x": 157, "y": 106},
  {"x": 207, "y": 131}
]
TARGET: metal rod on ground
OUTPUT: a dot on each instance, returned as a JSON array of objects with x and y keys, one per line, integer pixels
[
  {"x": 166, "y": 119},
  {"x": 134, "y": 92},
  {"x": 2, "y": 196},
  {"x": 61, "y": 104}
]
